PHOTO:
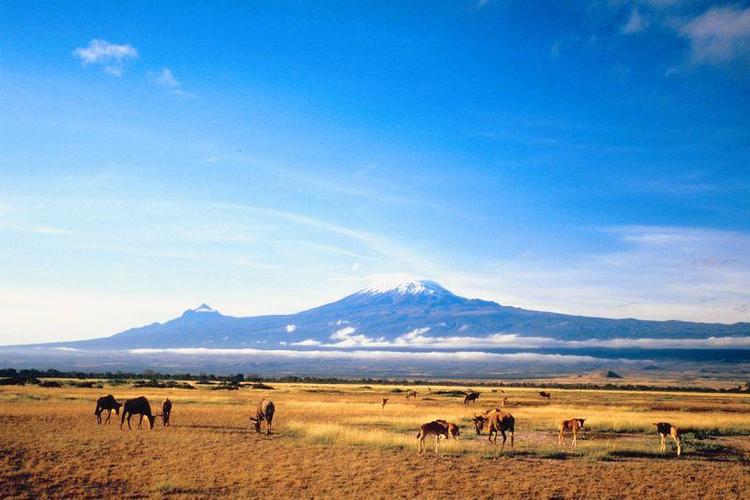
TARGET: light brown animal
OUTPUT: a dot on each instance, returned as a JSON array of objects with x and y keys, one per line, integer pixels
[
  {"x": 494, "y": 422},
  {"x": 382, "y": 404},
  {"x": 574, "y": 426},
  {"x": 505, "y": 402},
  {"x": 666, "y": 429},
  {"x": 438, "y": 428},
  {"x": 265, "y": 412}
]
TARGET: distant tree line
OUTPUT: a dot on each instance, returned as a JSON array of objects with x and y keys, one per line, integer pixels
[{"x": 8, "y": 375}]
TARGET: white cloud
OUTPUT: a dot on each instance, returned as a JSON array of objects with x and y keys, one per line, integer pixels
[
  {"x": 307, "y": 342},
  {"x": 111, "y": 56},
  {"x": 165, "y": 78},
  {"x": 291, "y": 328},
  {"x": 718, "y": 35},
  {"x": 374, "y": 355},
  {"x": 343, "y": 333},
  {"x": 635, "y": 23}
]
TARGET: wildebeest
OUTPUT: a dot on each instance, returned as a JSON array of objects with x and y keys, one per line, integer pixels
[
  {"x": 495, "y": 421},
  {"x": 438, "y": 428},
  {"x": 411, "y": 394},
  {"x": 265, "y": 412},
  {"x": 108, "y": 403},
  {"x": 471, "y": 396},
  {"x": 138, "y": 406},
  {"x": 666, "y": 429},
  {"x": 545, "y": 395},
  {"x": 383, "y": 403},
  {"x": 166, "y": 410},
  {"x": 574, "y": 425}
]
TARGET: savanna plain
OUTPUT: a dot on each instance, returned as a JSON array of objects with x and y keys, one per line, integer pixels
[{"x": 336, "y": 440}]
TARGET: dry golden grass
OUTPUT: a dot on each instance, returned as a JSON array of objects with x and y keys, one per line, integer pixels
[{"x": 336, "y": 440}]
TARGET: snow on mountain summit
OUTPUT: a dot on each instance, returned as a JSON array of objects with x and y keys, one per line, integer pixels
[
  {"x": 412, "y": 287},
  {"x": 204, "y": 308}
]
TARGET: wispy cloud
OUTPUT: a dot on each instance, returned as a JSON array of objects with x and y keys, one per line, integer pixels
[
  {"x": 635, "y": 22},
  {"x": 718, "y": 35},
  {"x": 165, "y": 78},
  {"x": 111, "y": 56}
]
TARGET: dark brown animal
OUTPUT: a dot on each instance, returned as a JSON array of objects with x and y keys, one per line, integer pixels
[
  {"x": 137, "y": 406},
  {"x": 385, "y": 400},
  {"x": 438, "y": 428},
  {"x": 574, "y": 426},
  {"x": 496, "y": 421},
  {"x": 666, "y": 429},
  {"x": 411, "y": 394},
  {"x": 108, "y": 403},
  {"x": 545, "y": 395},
  {"x": 265, "y": 412},
  {"x": 166, "y": 411},
  {"x": 471, "y": 397}
]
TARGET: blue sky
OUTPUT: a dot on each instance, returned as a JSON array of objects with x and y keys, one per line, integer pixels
[{"x": 583, "y": 157}]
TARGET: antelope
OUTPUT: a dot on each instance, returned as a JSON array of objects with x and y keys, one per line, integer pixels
[
  {"x": 166, "y": 410},
  {"x": 545, "y": 395},
  {"x": 411, "y": 394},
  {"x": 496, "y": 421},
  {"x": 137, "y": 406},
  {"x": 265, "y": 412},
  {"x": 439, "y": 428},
  {"x": 108, "y": 403},
  {"x": 385, "y": 400},
  {"x": 504, "y": 402},
  {"x": 471, "y": 396},
  {"x": 666, "y": 429},
  {"x": 574, "y": 425}
]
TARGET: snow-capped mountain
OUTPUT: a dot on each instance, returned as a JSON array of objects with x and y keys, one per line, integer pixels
[{"x": 411, "y": 314}]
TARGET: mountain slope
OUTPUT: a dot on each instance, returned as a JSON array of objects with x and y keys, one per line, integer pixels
[{"x": 411, "y": 314}]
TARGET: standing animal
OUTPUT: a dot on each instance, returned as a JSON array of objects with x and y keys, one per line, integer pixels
[
  {"x": 411, "y": 394},
  {"x": 166, "y": 410},
  {"x": 545, "y": 395},
  {"x": 495, "y": 421},
  {"x": 505, "y": 402},
  {"x": 574, "y": 426},
  {"x": 666, "y": 429},
  {"x": 438, "y": 428},
  {"x": 137, "y": 406},
  {"x": 385, "y": 400},
  {"x": 471, "y": 396},
  {"x": 108, "y": 403},
  {"x": 265, "y": 412}
]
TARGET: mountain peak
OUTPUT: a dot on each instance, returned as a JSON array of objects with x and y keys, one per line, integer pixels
[
  {"x": 411, "y": 287},
  {"x": 203, "y": 308}
]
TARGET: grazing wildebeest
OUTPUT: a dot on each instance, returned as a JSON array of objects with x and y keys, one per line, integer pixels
[
  {"x": 438, "y": 428},
  {"x": 265, "y": 412},
  {"x": 108, "y": 403},
  {"x": 496, "y": 421},
  {"x": 471, "y": 396},
  {"x": 411, "y": 394},
  {"x": 666, "y": 429},
  {"x": 545, "y": 395},
  {"x": 137, "y": 406},
  {"x": 385, "y": 400},
  {"x": 574, "y": 425},
  {"x": 166, "y": 410}
]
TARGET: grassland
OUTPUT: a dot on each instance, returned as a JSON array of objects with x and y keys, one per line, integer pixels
[{"x": 336, "y": 440}]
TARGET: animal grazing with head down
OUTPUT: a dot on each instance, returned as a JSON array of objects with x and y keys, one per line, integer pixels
[
  {"x": 666, "y": 429},
  {"x": 471, "y": 396},
  {"x": 438, "y": 428},
  {"x": 166, "y": 411},
  {"x": 545, "y": 395},
  {"x": 137, "y": 406},
  {"x": 574, "y": 426},
  {"x": 494, "y": 422},
  {"x": 108, "y": 403},
  {"x": 265, "y": 412}
]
